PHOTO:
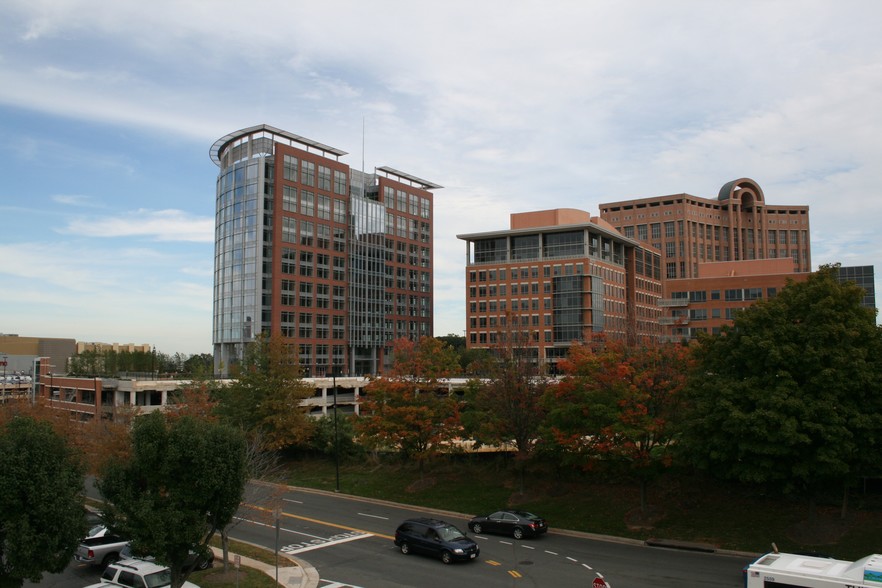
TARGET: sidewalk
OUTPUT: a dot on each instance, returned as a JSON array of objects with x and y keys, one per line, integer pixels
[{"x": 293, "y": 572}]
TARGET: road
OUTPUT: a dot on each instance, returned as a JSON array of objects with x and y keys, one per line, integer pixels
[{"x": 349, "y": 541}]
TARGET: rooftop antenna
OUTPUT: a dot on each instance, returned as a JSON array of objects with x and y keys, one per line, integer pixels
[{"x": 363, "y": 187}]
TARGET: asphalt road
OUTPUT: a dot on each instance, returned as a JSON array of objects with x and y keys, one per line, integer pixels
[{"x": 349, "y": 541}]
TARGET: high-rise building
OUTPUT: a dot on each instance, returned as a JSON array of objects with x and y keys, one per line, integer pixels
[
  {"x": 738, "y": 225},
  {"x": 555, "y": 277},
  {"x": 335, "y": 261},
  {"x": 719, "y": 256}
]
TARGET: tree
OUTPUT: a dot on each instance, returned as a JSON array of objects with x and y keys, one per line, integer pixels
[
  {"x": 41, "y": 512},
  {"x": 410, "y": 409},
  {"x": 619, "y": 403},
  {"x": 199, "y": 365},
  {"x": 265, "y": 399},
  {"x": 182, "y": 483},
  {"x": 507, "y": 407},
  {"x": 332, "y": 439},
  {"x": 791, "y": 395}
]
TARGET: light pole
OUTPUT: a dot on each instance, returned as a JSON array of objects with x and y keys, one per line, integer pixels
[{"x": 336, "y": 438}]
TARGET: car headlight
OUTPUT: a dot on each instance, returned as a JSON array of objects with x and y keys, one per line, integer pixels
[{"x": 458, "y": 551}]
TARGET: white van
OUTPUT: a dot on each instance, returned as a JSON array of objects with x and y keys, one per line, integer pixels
[{"x": 788, "y": 570}]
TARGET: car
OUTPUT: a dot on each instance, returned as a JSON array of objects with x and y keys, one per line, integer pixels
[
  {"x": 436, "y": 538},
  {"x": 136, "y": 573},
  {"x": 517, "y": 523},
  {"x": 195, "y": 560}
]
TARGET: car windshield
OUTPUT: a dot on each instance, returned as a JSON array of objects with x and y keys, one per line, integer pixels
[
  {"x": 157, "y": 579},
  {"x": 450, "y": 533}
]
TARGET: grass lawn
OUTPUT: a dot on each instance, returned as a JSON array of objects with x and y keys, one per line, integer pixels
[{"x": 685, "y": 508}]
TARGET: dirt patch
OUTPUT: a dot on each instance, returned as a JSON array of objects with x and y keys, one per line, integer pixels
[
  {"x": 825, "y": 529},
  {"x": 642, "y": 519},
  {"x": 420, "y": 485}
]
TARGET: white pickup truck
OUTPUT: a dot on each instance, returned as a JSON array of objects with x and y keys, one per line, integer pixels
[
  {"x": 101, "y": 547},
  {"x": 136, "y": 573}
]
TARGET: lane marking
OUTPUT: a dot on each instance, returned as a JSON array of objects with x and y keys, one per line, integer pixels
[
  {"x": 587, "y": 566},
  {"x": 272, "y": 526},
  {"x": 326, "y": 523},
  {"x": 551, "y": 552},
  {"x": 292, "y": 500},
  {"x": 528, "y": 547},
  {"x": 373, "y": 516},
  {"x": 514, "y": 574},
  {"x": 573, "y": 559},
  {"x": 322, "y": 543},
  {"x": 492, "y": 563}
]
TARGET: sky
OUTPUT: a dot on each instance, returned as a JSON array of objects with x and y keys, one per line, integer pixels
[{"x": 108, "y": 111}]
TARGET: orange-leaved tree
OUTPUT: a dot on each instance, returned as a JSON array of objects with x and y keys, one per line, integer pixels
[
  {"x": 619, "y": 404},
  {"x": 409, "y": 409}
]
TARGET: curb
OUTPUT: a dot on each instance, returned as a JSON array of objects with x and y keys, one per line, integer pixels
[{"x": 298, "y": 575}]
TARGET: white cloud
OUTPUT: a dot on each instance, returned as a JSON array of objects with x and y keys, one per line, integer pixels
[{"x": 161, "y": 225}]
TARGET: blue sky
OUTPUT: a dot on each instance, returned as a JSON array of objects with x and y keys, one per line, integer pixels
[{"x": 108, "y": 111}]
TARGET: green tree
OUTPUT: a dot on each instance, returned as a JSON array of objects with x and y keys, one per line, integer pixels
[
  {"x": 506, "y": 407},
  {"x": 330, "y": 438},
  {"x": 181, "y": 484},
  {"x": 201, "y": 364},
  {"x": 265, "y": 399},
  {"x": 790, "y": 396},
  {"x": 410, "y": 409},
  {"x": 41, "y": 511}
]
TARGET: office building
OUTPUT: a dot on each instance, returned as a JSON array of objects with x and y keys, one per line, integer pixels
[
  {"x": 335, "y": 261},
  {"x": 737, "y": 225},
  {"x": 555, "y": 277},
  {"x": 718, "y": 255}
]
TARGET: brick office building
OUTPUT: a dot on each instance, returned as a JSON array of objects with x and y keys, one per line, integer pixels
[
  {"x": 719, "y": 255},
  {"x": 336, "y": 262},
  {"x": 555, "y": 277}
]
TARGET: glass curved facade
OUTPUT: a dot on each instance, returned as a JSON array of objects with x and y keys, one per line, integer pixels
[{"x": 237, "y": 261}]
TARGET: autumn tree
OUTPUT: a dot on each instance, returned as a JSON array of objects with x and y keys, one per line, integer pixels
[
  {"x": 265, "y": 400},
  {"x": 619, "y": 403},
  {"x": 41, "y": 510},
  {"x": 790, "y": 396},
  {"x": 410, "y": 409},
  {"x": 182, "y": 482},
  {"x": 505, "y": 407}
]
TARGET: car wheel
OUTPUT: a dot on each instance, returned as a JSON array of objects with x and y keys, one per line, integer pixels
[
  {"x": 446, "y": 557},
  {"x": 405, "y": 548},
  {"x": 109, "y": 559},
  {"x": 476, "y": 528},
  {"x": 204, "y": 564},
  {"x": 518, "y": 533}
]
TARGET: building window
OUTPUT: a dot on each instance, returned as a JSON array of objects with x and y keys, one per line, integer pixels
[
  {"x": 289, "y": 168},
  {"x": 323, "y": 211},
  {"x": 324, "y": 178},
  {"x": 307, "y": 203},
  {"x": 307, "y": 173},
  {"x": 339, "y": 183},
  {"x": 289, "y": 199},
  {"x": 289, "y": 229}
]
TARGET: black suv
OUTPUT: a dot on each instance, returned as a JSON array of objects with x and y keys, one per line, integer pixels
[{"x": 434, "y": 537}]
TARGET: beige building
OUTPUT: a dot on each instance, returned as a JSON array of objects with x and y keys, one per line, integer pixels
[
  {"x": 555, "y": 277},
  {"x": 737, "y": 225}
]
